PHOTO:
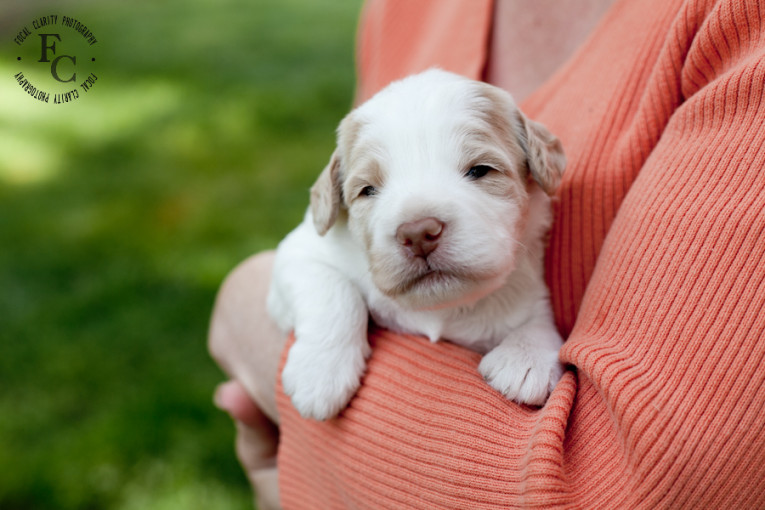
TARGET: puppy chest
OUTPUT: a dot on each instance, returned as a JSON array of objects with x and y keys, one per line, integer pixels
[{"x": 472, "y": 329}]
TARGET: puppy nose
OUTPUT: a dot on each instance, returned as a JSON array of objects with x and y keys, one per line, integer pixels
[{"x": 420, "y": 237}]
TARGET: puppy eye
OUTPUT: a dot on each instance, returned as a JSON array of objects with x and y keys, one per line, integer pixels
[
  {"x": 478, "y": 171},
  {"x": 368, "y": 191}
]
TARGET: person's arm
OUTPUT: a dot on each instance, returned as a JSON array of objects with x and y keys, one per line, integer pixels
[
  {"x": 247, "y": 344},
  {"x": 667, "y": 403},
  {"x": 670, "y": 339}
]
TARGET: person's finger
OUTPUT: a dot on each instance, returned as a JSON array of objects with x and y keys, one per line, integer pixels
[
  {"x": 257, "y": 439},
  {"x": 243, "y": 339},
  {"x": 257, "y": 454},
  {"x": 231, "y": 397},
  {"x": 266, "y": 485},
  {"x": 257, "y": 436}
]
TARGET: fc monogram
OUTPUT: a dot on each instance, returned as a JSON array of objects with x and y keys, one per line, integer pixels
[
  {"x": 57, "y": 58},
  {"x": 54, "y": 64}
]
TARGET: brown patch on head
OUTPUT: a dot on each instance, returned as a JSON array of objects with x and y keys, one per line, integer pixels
[
  {"x": 500, "y": 113},
  {"x": 503, "y": 185},
  {"x": 530, "y": 143},
  {"x": 504, "y": 180},
  {"x": 347, "y": 133},
  {"x": 361, "y": 168},
  {"x": 366, "y": 171},
  {"x": 497, "y": 144},
  {"x": 327, "y": 197}
]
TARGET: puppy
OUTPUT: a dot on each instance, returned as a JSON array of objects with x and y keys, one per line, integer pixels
[{"x": 431, "y": 218}]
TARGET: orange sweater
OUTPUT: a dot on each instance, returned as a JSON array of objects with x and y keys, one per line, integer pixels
[{"x": 656, "y": 267}]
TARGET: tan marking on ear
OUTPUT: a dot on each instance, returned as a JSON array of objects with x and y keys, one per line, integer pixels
[
  {"x": 326, "y": 196},
  {"x": 544, "y": 154}
]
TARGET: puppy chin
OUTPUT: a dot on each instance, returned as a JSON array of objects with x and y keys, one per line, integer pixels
[{"x": 438, "y": 289}]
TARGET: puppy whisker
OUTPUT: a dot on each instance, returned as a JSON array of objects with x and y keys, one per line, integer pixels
[{"x": 525, "y": 248}]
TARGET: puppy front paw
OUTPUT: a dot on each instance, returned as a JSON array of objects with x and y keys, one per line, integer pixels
[
  {"x": 520, "y": 373},
  {"x": 321, "y": 381}
]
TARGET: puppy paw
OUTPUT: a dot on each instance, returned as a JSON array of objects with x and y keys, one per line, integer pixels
[
  {"x": 520, "y": 373},
  {"x": 321, "y": 381}
]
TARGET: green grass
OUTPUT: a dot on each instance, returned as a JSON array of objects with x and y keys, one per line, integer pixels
[{"x": 121, "y": 213}]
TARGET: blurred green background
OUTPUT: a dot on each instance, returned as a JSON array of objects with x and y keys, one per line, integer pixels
[{"x": 120, "y": 214}]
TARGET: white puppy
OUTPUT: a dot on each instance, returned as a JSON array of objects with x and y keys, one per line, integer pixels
[{"x": 431, "y": 217}]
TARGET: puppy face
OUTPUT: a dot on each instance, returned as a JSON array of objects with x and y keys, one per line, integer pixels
[{"x": 434, "y": 174}]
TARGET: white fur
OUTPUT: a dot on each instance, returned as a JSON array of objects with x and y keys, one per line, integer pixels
[{"x": 487, "y": 289}]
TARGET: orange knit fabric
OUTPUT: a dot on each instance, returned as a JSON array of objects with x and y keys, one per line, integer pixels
[
  {"x": 398, "y": 38},
  {"x": 656, "y": 266}
]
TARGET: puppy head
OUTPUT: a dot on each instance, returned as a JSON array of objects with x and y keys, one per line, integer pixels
[{"x": 435, "y": 173}]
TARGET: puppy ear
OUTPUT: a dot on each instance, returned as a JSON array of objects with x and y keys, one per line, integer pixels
[
  {"x": 544, "y": 154},
  {"x": 326, "y": 196}
]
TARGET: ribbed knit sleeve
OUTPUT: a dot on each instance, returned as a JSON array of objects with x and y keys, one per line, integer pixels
[
  {"x": 656, "y": 266},
  {"x": 670, "y": 338}
]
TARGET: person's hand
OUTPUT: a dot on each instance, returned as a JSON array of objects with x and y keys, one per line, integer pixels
[
  {"x": 247, "y": 346},
  {"x": 256, "y": 442}
]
